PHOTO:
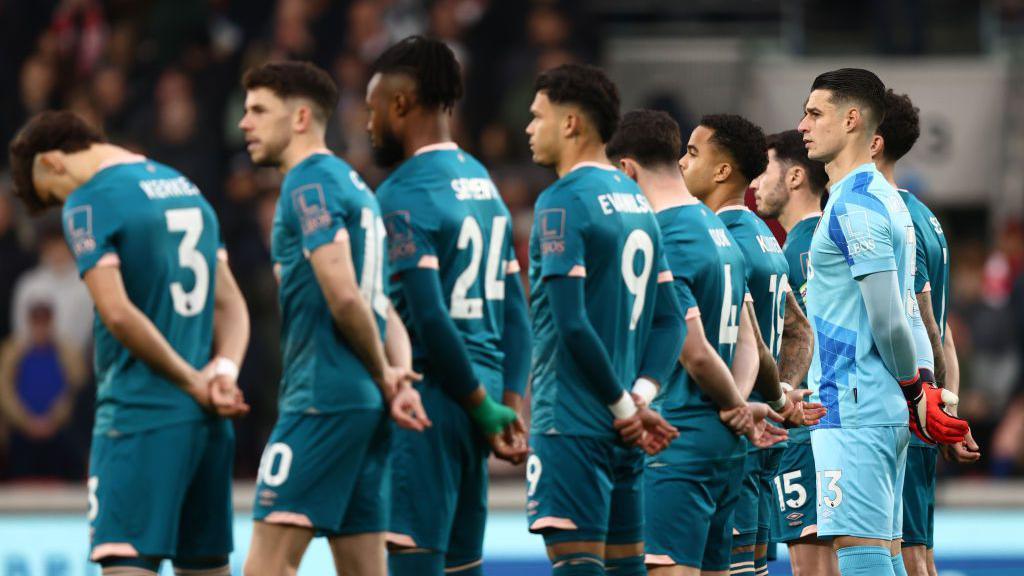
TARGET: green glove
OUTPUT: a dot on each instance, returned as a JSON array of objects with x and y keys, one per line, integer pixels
[{"x": 492, "y": 417}]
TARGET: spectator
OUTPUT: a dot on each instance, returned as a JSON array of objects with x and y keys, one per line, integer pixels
[
  {"x": 39, "y": 379},
  {"x": 14, "y": 260}
]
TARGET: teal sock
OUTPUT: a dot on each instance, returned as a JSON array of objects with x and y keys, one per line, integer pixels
[
  {"x": 897, "y": 565},
  {"x": 631, "y": 566},
  {"x": 741, "y": 564},
  {"x": 865, "y": 561},
  {"x": 761, "y": 566},
  {"x": 580, "y": 564},
  {"x": 425, "y": 563}
]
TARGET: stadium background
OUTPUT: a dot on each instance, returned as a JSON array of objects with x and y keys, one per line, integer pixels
[{"x": 161, "y": 77}]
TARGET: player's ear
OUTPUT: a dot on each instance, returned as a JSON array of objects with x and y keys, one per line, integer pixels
[
  {"x": 795, "y": 176},
  {"x": 303, "y": 118},
  {"x": 722, "y": 172},
  {"x": 52, "y": 161},
  {"x": 572, "y": 124},
  {"x": 877, "y": 145},
  {"x": 629, "y": 166},
  {"x": 853, "y": 118}
]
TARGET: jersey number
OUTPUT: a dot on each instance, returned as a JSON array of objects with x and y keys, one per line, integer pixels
[
  {"x": 371, "y": 281},
  {"x": 778, "y": 286},
  {"x": 729, "y": 324},
  {"x": 189, "y": 221},
  {"x": 636, "y": 284},
  {"x": 472, "y": 238},
  {"x": 788, "y": 484}
]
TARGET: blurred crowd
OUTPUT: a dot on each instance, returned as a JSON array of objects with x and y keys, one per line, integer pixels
[{"x": 162, "y": 77}]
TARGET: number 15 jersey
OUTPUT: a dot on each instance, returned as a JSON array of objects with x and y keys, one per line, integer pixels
[
  {"x": 442, "y": 211},
  {"x": 593, "y": 223}
]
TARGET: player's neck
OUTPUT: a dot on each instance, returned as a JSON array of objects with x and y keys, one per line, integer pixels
[
  {"x": 849, "y": 158},
  {"x": 82, "y": 166},
  {"x": 727, "y": 194},
  {"x": 427, "y": 131},
  {"x": 577, "y": 151},
  {"x": 665, "y": 189},
  {"x": 888, "y": 169},
  {"x": 799, "y": 207},
  {"x": 302, "y": 147}
]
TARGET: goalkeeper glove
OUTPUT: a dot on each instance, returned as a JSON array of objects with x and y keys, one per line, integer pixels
[
  {"x": 929, "y": 420},
  {"x": 492, "y": 417}
]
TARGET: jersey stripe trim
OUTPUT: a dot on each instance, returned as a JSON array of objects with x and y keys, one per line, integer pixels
[
  {"x": 436, "y": 147},
  {"x": 222, "y": 255},
  {"x": 927, "y": 288},
  {"x": 665, "y": 276},
  {"x": 430, "y": 262},
  {"x": 577, "y": 271},
  {"x": 552, "y": 522},
  {"x": 288, "y": 518},
  {"x": 399, "y": 539},
  {"x": 122, "y": 549},
  {"x": 108, "y": 259},
  {"x": 659, "y": 560},
  {"x": 693, "y": 312},
  {"x": 512, "y": 267}
]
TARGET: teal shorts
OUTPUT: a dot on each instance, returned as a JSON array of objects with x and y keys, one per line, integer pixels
[
  {"x": 752, "y": 522},
  {"x": 328, "y": 472},
  {"x": 162, "y": 493},
  {"x": 860, "y": 473},
  {"x": 582, "y": 488},
  {"x": 919, "y": 496},
  {"x": 689, "y": 512},
  {"x": 794, "y": 513},
  {"x": 439, "y": 483}
]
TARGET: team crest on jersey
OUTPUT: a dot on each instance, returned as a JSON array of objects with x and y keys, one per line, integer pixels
[
  {"x": 855, "y": 228},
  {"x": 552, "y": 231},
  {"x": 311, "y": 205},
  {"x": 401, "y": 242},
  {"x": 79, "y": 226}
]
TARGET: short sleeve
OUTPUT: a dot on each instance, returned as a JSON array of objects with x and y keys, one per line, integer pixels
[
  {"x": 561, "y": 222},
  {"x": 922, "y": 281},
  {"x": 684, "y": 292},
  {"x": 863, "y": 233},
  {"x": 91, "y": 229},
  {"x": 410, "y": 240},
  {"x": 321, "y": 214},
  {"x": 511, "y": 262}
]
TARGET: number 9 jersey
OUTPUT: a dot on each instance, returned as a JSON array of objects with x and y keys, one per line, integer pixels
[
  {"x": 593, "y": 223},
  {"x": 156, "y": 226}
]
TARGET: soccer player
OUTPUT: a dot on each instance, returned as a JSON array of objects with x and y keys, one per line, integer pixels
[
  {"x": 324, "y": 470},
  {"x": 895, "y": 137},
  {"x": 456, "y": 282},
  {"x": 605, "y": 318},
  {"x": 790, "y": 190},
  {"x": 738, "y": 151},
  {"x": 861, "y": 306},
  {"x": 171, "y": 330}
]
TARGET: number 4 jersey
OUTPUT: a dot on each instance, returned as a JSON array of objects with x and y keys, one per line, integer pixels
[
  {"x": 592, "y": 223},
  {"x": 443, "y": 212},
  {"x": 156, "y": 226},
  {"x": 324, "y": 200}
]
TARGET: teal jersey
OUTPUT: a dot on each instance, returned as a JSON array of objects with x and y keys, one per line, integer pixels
[
  {"x": 709, "y": 275},
  {"x": 865, "y": 229},
  {"x": 443, "y": 211},
  {"x": 156, "y": 226},
  {"x": 932, "y": 269},
  {"x": 596, "y": 224},
  {"x": 767, "y": 274},
  {"x": 324, "y": 200},
  {"x": 798, "y": 250}
]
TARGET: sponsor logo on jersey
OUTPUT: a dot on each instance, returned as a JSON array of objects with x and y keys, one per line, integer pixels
[
  {"x": 311, "y": 205},
  {"x": 78, "y": 221},
  {"x": 552, "y": 231}
]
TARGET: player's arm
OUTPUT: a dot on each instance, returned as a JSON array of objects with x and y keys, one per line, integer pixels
[
  {"x": 746, "y": 360},
  {"x": 767, "y": 380},
  {"x": 397, "y": 346},
  {"x": 407, "y": 406},
  {"x": 230, "y": 317},
  {"x": 138, "y": 334},
  {"x": 796, "y": 348},
  {"x": 665, "y": 342},
  {"x": 702, "y": 361},
  {"x": 934, "y": 337},
  {"x": 967, "y": 451},
  {"x": 515, "y": 340},
  {"x": 952, "y": 381}
]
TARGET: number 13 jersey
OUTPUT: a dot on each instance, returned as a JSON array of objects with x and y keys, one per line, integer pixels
[
  {"x": 155, "y": 225},
  {"x": 442, "y": 211},
  {"x": 593, "y": 223}
]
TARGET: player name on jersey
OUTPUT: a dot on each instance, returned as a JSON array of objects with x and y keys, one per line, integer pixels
[
  {"x": 162, "y": 188},
  {"x": 622, "y": 202},
  {"x": 474, "y": 189}
]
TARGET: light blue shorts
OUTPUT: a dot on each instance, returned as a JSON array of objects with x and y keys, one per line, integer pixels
[{"x": 859, "y": 476}]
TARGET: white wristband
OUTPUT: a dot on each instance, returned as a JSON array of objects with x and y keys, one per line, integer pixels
[
  {"x": 786, "y": 386},
  {"x": 225, "y": 367},
  {"x": 624, "y": 407},
  {"x": 780, "y": 403},
  {"x": 646, "y": 389}
]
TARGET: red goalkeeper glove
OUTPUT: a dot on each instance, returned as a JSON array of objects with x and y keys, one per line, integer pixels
[{"x": 929, "y": 420}]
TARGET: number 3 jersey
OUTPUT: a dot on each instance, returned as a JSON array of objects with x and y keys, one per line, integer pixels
[
  {"x": 324, "y": 200},
  {"x": 593, "y": 223},
  {"x": 156, "y": 226},
  {"x": 443, "y": 212}
]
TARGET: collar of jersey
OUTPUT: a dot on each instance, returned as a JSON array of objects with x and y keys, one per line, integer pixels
[
  {"x": 732, "y": 207},
  {"x": 120, "y": 160},
  {"x": 437, "y": 147},
  {"x": 588, "y": 164},
  {"x": 865, "y": 167},
  {"x": 811, "y": 215}
]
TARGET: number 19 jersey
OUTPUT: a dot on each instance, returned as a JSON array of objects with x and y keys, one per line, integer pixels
[
  {"x": 592, "y": 223},
  {"x": 443, "y": 211},
  {"x": 323, "y": 200},
  {"x": 156, "y": 226}
]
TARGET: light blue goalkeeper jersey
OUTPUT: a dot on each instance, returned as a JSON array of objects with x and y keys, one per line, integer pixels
[{"x": 865, "y": 229}]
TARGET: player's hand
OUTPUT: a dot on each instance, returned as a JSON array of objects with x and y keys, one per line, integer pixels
[
  {"x": 394, "y": 379},
  {"x": 929, "y": 419},
  {"x": 799, "y": 412},
  {"x": 198, "y": 385},
  {"x": 762, "y": 434},
  {"x": 646, "y": 429},
  {"x": 226, "y": 398},
  {"x": 510, "y": 445},
  {"x": 407, "y": 410},
  {"x": 738, "y": 419},
  {"x": 965, "y": 452}
]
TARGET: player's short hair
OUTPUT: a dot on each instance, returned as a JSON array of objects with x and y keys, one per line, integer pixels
[
  {"x": 296, "y": 79},
  {"x": 741, "y": 139},
  {"x": 901, "y": 127},
  {"x": 51, "y": 130},
  {"x": 860, "y": 86},
  {"x": 790, "y": 150},
  {"x": 431, "y": 63},
  {"x": 651, "y": 137},
  {"x": 587, "y": 87}
]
